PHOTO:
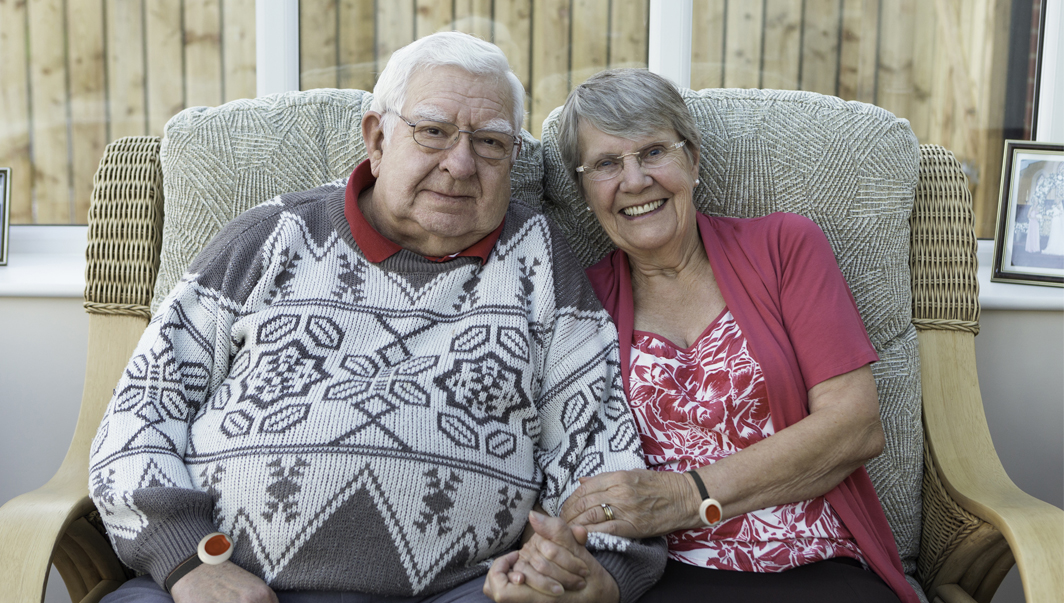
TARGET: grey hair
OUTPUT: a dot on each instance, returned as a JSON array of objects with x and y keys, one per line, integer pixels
[
  {"x": 447, "y": 48},
  {"x": 627, "y": 103}
]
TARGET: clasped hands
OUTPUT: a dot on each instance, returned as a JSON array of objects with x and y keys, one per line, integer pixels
[{"x": 554, "y": 563}]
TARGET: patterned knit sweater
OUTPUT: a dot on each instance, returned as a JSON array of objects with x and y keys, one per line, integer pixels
[{"x": 364, "y": 427}]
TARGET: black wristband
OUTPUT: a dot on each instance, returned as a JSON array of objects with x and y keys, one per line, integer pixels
[
  {"x": 698, "y": 482},
  {"x": 181, "y": 570}
]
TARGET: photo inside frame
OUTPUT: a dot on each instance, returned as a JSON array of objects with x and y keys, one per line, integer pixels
[{"x": 1034, "y": 235}]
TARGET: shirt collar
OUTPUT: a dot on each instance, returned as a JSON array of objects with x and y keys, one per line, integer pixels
[{"x": 375, "y": 246}]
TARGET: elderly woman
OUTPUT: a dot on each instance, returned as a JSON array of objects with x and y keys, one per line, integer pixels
[{"x": 746, "y": 365}]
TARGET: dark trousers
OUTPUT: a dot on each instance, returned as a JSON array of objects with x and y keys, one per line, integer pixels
[{"x": 832, "y": 581}]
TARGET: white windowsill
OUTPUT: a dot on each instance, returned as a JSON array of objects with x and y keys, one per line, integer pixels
[
  {"x": 49, "y": 261},
  {"x": 45, "y": 261},
  {"x": 1008, "y": 296}
]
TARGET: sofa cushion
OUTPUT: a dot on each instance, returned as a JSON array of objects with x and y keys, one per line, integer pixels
[
  {"x": 220, "y": 161},
  {"x": 850, "y": 167}
]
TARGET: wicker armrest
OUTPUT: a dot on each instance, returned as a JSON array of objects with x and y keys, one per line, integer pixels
[
  {"x": 125, "y": 228},
  {"x": 977, "y": 523}
]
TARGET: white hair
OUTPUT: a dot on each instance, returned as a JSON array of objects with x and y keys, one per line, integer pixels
[{"x": 447, "y": 48}]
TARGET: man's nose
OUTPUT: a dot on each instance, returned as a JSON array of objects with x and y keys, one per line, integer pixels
[{"x": 460, "y": 160}]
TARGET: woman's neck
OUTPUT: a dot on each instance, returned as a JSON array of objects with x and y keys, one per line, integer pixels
[
  {"x": 671, "y": 264},
  {"x": 675, "y": 296}
]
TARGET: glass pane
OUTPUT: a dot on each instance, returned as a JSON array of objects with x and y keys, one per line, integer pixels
[
  {"x": 552, "y": 45},
  {"x": 78, "y": 74},
  {"x": 961, "y": 71}
]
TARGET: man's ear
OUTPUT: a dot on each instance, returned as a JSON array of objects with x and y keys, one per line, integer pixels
[{"x": 373, "y": 136}]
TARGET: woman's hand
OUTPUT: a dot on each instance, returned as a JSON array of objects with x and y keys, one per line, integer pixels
[
  {"x": 552, "y": 566},
  {"x": 644, "y": 503}
]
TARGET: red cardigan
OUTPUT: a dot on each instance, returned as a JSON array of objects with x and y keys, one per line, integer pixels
[{"x": 779, "y": 278}]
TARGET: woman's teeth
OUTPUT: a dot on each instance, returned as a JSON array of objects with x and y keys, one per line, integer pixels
[{"x": 639, "y": 210}]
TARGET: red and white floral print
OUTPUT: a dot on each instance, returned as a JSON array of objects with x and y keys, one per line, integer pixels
[{"x": 698, "y": 405}]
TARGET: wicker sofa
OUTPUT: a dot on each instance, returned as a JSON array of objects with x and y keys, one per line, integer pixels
[{"x": 898, "y": 216}]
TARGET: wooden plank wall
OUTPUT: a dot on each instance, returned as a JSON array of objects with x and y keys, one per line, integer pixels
[
  {"x": 938, "y": 63},
  {"x": 552, "y": 45},
  {"x": 128, "y": 65},
  {"x": 79, "y": 73},
  {"x": 930, "y": 61}
]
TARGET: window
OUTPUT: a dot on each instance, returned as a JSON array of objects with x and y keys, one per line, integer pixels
[
  {"x": 79, "y": 73},
  {"x": 552, "y": 45}
]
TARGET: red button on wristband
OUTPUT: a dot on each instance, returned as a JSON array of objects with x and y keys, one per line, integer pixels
[
  {"x": 215, "y": 548},
  {"x": 710, "y": 511}
]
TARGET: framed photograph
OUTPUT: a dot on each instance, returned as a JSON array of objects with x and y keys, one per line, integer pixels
[
  {"x": 1029, "y": 241},
  {"x": 5, "y": 212}
]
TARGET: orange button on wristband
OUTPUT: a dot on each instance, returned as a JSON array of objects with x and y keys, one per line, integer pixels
[
  {"x": 212, "y": 550},
  {"x": 710, "y": 511},
  {"x": 215, "y": 548}
]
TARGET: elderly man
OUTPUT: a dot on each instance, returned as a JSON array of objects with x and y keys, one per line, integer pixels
[{"x": 360, "y": 391}]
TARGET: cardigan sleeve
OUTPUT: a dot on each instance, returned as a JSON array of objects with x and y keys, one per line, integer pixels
[{"x": 818, "y": 310}]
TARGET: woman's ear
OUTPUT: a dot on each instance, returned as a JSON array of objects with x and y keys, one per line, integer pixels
[
  {"x": 694, "y": 160},
  {"x": 373, "y": 136}
]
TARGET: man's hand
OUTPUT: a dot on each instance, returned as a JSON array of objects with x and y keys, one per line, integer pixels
[
  {"x": 569, "y": 571},
  {"x": 549, "y": 561},
  {"x": 222, "y": 583}
]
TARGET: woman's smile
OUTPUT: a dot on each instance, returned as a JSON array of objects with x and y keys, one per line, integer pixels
[{"x": 640, "y": 210}]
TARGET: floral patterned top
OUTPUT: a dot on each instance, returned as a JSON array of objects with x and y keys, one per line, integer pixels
[{"x": 698, "y": 405}]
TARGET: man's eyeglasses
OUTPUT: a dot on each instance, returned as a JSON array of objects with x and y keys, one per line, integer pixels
[
  {"x": 650, "y": 157},
  {"x": 440, "y": 135}
]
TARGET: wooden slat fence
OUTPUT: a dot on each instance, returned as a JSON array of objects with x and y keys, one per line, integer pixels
[
  {"x": 938, "y": 63},
  {"x": 128, "y": 65},
  {"x": 552, "y": 44},
  {"x": 77, "y": 74}
]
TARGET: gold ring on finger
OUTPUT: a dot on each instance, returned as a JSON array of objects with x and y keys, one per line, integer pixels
[{"x": 608, "y": 510}]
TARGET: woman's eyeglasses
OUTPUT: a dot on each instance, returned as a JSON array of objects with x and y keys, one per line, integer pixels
[{"x": 650, "y": 157}]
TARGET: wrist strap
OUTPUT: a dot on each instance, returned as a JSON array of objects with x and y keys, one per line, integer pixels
[
  {"x": 710, "y": 511},
  {"x": 214, "y": 548},
  {"x": 181, "y": 570},
  {"x": 698, "y": 482}
]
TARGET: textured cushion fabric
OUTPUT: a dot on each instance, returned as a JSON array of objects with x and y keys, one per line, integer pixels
[
  {"x": 850, "y": 167},
  {"x": 220, "y": 161}
]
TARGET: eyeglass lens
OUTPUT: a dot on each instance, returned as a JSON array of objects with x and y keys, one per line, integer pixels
[
  {"x": 439, "y": 135},
  {"x": 650, "y": 157}
]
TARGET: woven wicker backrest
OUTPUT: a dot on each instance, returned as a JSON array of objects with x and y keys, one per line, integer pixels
[
  {"x": 220, "y": 161},
  {"x": 850, "y": 167}
]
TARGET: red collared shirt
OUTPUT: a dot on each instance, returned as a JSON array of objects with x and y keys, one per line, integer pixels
[{"x": 376, "y": 246}]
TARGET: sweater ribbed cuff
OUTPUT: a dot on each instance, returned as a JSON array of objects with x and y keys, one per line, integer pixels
[
  {"x": 177, "y": 520},
  {"x": 637, "y": 569}
]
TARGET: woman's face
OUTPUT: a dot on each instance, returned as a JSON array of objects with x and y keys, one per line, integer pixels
[{"x": 644, "y": 211}]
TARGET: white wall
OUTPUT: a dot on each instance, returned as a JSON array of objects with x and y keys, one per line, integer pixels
[
  {"x": 1020, "y": 357},
  {"x": 42, "y": 370}
]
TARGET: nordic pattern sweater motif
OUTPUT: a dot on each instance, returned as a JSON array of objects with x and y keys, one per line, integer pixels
[{"x": 358, "y": 427}]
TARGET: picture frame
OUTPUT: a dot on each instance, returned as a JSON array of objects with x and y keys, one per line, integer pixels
[
  {"x": 5, "y": 212},
  {"x": 1031, "y": 200}
]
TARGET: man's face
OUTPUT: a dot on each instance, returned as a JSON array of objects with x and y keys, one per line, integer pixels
[{"x": 437, "y": 202}]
